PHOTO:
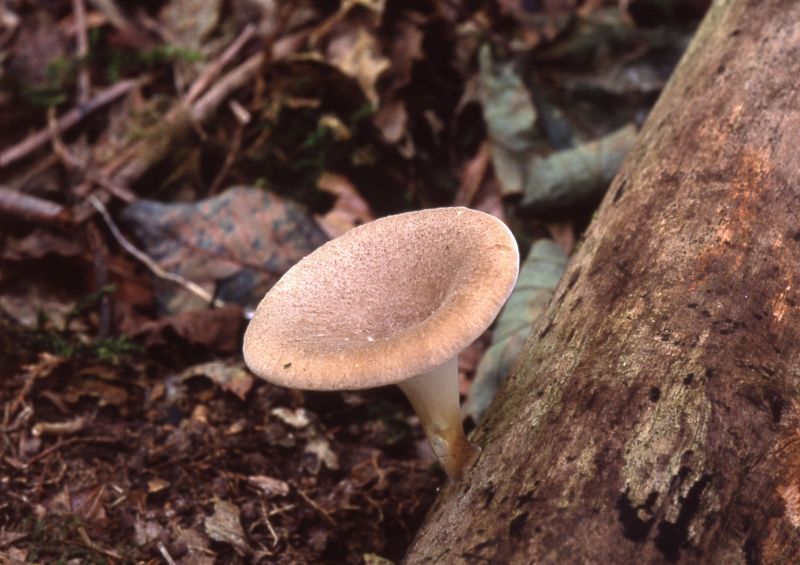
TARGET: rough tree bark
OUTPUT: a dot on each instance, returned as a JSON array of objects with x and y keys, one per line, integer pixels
[{"x": 655, "y": 415}]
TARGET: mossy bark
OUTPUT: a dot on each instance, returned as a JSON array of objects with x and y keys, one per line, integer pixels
[{"x": 653, "y": 416}]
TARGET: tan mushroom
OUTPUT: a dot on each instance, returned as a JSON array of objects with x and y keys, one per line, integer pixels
[{"x": 391, "y": 302}]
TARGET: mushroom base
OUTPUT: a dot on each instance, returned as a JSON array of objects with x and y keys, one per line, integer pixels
[{"x": 434, "y": 396}]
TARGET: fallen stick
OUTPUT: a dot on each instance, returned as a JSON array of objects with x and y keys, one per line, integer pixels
[
  {"x": 18, "y": 204},
  {"x": 65, "y": 122}
]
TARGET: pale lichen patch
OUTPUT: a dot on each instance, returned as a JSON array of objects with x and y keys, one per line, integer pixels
[{"x": 676, "y": 425}]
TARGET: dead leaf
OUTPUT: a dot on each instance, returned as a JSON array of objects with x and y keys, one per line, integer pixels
[
  {"x": 44, "y": 366},
  {"x": 189, "y": 22},
  {"x": 349, "y": 210},
  {"x": 405, "y": 48},
  {"x": 576, "y": 175},
  {"x": 196, "y": 544},
  {"x": 39, "y": 244},
  {"x": 240, "y": 240},
  {"x": 225, "y": 526},
  {"x": 270, "y": 487},
  {"x": 7, "y": 538},
  {"x": 106, "y": 393},
  {"x": 507, "y": 104},
  {"x": 298, "y": 418},
  {"x": 538, "y": 278},
  {"x": 321, "y": 448},
  {"x": 510, "y": 118},
  {"x": 86, "y": 503},
  {"x": 472, "y": 176},
  {"x": 350, "y": 43},
  {"x": 216, "y": 329},
  {"x": 357, "y": 53},
  {"x": 232, "y": 377},
  {"x": 27, "y": 308},
  {"x": 157, "y": 485},
  {"x": 146, "y": 531}
]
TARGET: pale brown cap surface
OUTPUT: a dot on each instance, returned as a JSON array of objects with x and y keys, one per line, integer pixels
[{"x": 386, "y": 301}]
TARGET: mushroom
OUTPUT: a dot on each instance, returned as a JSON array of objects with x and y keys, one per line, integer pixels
[{"x": 390, "y": 302}]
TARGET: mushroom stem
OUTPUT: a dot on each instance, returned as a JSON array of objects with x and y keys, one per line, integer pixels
[{"x": 434, "y": 396}]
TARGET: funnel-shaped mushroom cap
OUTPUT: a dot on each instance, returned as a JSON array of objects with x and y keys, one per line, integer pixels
[{"x": 384, "y": 302}]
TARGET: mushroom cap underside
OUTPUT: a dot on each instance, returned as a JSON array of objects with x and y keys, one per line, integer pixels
[{"x": 386, "y": 301}]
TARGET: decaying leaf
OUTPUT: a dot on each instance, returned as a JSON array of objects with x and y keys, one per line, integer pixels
[
  {"x": 298, "y": 418},
  {"x": 216, "y": 329},
  {"x": 39, "y": 244},
  {"x": 405, "y": 49},
  {"x": 196, "y": 544},
  {"x": 576, "y": 175},
  {"x": 321, "y": 448},
  {"x": 189, "y": 22},
  {"x": 240, "y": 240},
  {"x": 510, "y": 118},
  {"x": 272, "y": 488},
  {"x": 232, "y": 377},
  {"x": 146, "y": 531},
  {"x": 28, "y": 309},
  {"x": 537, "y": 280},
  {"x": 224, "y": 525},
  {"x": 157, "y": 485},
  {"x": 349, "y": 210},
  {"x": 107, "y": 394},
  {"x": 86, "y": 503},
  {"x": 352, "y": 46}
]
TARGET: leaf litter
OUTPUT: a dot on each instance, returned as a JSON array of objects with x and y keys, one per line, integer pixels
[{"x": 162, "y": 164}]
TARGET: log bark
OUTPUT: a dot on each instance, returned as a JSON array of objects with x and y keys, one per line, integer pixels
[{"x": 654, "y": 415}]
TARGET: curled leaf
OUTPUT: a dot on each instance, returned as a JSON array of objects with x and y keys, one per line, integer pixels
[
  {"x": 575, "y": 175},
  {"x": 537, "y": 280}
]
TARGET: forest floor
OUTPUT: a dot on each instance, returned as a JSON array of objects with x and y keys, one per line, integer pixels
[{"x": 162, "y": 163}]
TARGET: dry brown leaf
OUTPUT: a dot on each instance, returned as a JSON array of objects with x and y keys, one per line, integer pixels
[
  {"x": 157, "y": 485},
  {"x": 40, "y": 243},
  {"x": 225, "y": 526},
  {"x": 357, "y": 53},
  {"x": 297, "y": 419},
  {"x": 240, "y": 240},
  {"x": 270, "y": 487},
  {"x": 106, "y": 393},
  {"x": 146, "y": 531},
  {"x": 86, "y": 503},
  {"x": 232, "y": 377},
  {"x": 216, "y": 329},
  {"x": 349, "y": 210},
  {"x": 405, "y": 48},
  {"x": 197, "y": 547}
]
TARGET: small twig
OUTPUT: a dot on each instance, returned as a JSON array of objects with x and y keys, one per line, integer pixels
[
  {"x": 65, "y": 122},
  {"x": 212, "y": 71},
  {"x": 82, "y": 40},
  {"x": 117, "y": 19},
  {"x": 100, "y": 262},
  {"x": 59, "y": 428},
  {"x": 141, "y": 156},
  {"x": 234, "y": 80},
  {"x": 69, "y": 441},
  {"x": 165, "y": 554},
  {"x": 265, "y": 516},
  {"x": 93, "y": 546},
  {"x": 242, "y": 119},
  {"x": 326, "y": 515},
  {"x": 32, "y": 208},
  {"x": 72, "y": 162},
  {"x": 148, "y": 261}
]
